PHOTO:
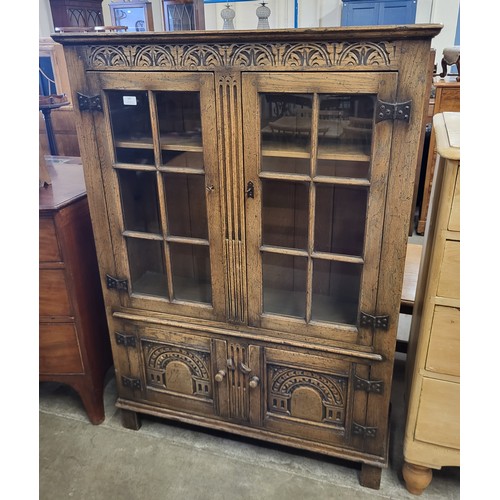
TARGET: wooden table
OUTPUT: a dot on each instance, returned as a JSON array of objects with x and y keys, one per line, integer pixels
[{"x": 74, "y": 345}]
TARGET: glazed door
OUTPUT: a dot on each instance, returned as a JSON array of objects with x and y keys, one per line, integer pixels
[
  {"x": 158, "y": 159},
  {"x": 316, "y": 166}
]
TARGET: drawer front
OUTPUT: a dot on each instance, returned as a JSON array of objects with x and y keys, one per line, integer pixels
[
  {"x": 443, "y": 355},
  {"x": 438, "y": 419},
  {"x": 449, "y": 100},
  {"x": 454, "y": 221},
  {"x": 48, "y": 246},
  {"x": 53, "y": 294},
  {"x": 59, "y": 352},
  {"x": 449, "y": 277}
]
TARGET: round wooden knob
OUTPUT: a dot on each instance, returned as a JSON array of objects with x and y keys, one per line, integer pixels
[
  {"x": 219, "y": 376},
  {"x": 254, "y": 382}
]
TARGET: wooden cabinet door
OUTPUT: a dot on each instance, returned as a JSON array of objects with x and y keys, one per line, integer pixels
[
  {"x": 167, "y": 367},
  {"x": 316, "y": 163},
  {"x": 314, "y": 397},
  {"x": 157, "y": 140}
]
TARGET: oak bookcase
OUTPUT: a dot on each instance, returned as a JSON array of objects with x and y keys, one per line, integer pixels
[{"x": 250, "y": 194}]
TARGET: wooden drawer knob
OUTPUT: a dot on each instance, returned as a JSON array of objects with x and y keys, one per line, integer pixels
[
  {"x": 219, "y": 376},
  {"x": 254, "y": 382}
]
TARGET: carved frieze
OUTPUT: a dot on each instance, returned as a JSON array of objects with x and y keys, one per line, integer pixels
[{"x": 270, "y": 56}]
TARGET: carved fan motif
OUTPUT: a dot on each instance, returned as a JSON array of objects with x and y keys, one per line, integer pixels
[{"x": 250, "y": 55}]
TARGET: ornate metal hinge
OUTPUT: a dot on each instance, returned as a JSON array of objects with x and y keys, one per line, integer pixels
[
  {"x": 133, "y": 383},
  {"x": 392, "y": 111},
  {"x": 89, "y": 103},
  {"x": 116, "y": 283},
  {"x": 125, "y": 340},
  {"x": 369, "y": 321},
  {"x": 376, "y": 386},
  {"x": 361, "y": 430}
]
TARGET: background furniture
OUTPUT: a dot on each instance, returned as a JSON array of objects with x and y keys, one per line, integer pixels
[
  {"x": 54, "y": 80},
  {"x": 432, "y": 436},
  {"x": 74, "y": 346},
  {"x": 255, "y": 289},
  {"x": 76, "y": 12},
  {"x": 447, "y": 98},
  {"x": 181, "y": 15},
  {"x": 137, "y": 15},
  {"x": 377, "y": 12}
]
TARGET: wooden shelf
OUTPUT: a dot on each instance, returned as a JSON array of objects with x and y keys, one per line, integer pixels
[
  {"x": 168, "y": 142},
  {"x": 342, "y": 151}
]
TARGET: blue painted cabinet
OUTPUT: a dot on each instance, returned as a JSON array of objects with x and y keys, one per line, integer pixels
[{"x": 376, "y": 12}]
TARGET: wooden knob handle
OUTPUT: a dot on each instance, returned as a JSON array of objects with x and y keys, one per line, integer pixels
[
  {"x": 254, "y": 382},
  {"x": 219, "y": 376}
]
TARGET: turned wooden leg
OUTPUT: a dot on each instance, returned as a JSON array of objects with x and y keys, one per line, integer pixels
[
  {"x": 370, "y": 476},
  {"x": 131, "y": 420},
  {"x": 416, "y": 477}
]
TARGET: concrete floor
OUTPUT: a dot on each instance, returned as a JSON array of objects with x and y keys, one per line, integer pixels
[{"x": 164, "y": 460}]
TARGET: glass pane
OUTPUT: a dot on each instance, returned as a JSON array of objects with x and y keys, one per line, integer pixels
[
  {"x": 286, "y": 124},
  {"x": 135, "y": 156},
  {"x": 179, "y": 121},
  {"x": 139, "y": 201},
  {"x": 345, "y": 125},
  {"x": 340, "y": 219},
  {"x": 133, "y": 17},
  {"x": 285, "y": 213},
  {"x": 336, "y": 287},
  {"x": 131, "y": 126},
  {"x": 186, "y": 205},
  {"x": 286, "y": 165},
  {"x": 147, "y": 267},
  {"x": 183, "y": 159},
  {"x": 340, "y": 168},
  {"x": 191, "y": 272},
  {"x": 284, "y": 290},
  {"x": 180, "y": 17}
]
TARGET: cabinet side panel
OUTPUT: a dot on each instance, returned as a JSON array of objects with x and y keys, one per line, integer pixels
[
  {"x": 403, "y": 162},
  {"x": 91, "y": 160}
]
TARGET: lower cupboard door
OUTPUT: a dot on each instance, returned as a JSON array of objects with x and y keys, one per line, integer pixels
[
  {"x": 177, "y": 371},
  {"x": 310, "y": 397}
]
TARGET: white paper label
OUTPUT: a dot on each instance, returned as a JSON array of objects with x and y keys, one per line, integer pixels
[{"x": 130, "y": 100}]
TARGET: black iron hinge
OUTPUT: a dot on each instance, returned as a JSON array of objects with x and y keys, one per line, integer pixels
[
  {"x": 89, "y": 103},
  {"x": 133, "y": 383},
  {"x": 250, "y": 190},
  {"x": 361, "y": 430},
  {"x": 370, "y": 321},
  {"x": 392, "y": 111},
  {"x": 125, "y": 340},
  {"x": 376, "y": 386},
  {"x": 116, "y": 283}
]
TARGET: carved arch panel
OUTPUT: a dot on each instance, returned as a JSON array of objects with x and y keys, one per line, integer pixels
[
  {"x": 177, "y": 369},
  {"x": 307, "y": 395}
]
